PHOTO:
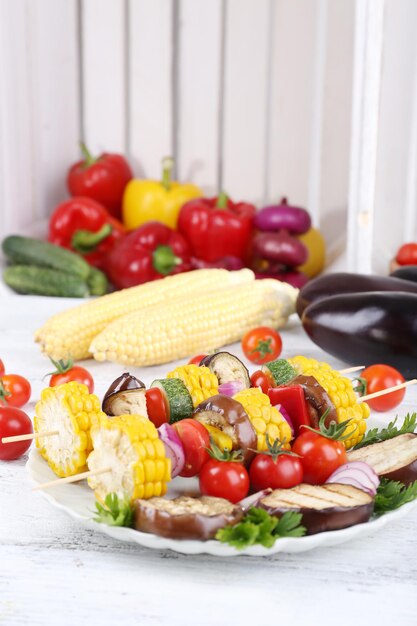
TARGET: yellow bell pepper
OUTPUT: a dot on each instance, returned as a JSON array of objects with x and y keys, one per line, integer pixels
[{"x": 147, "y": 200}]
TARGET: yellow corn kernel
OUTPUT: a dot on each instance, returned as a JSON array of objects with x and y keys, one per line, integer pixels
[{"x": 200, "y": 381}]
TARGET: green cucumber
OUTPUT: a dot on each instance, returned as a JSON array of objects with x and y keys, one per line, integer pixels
[
  {"x": 177, "y": 397},
  {"x": 42, "y": 281},
  {"x": 97, "y": 282},
  {"x": 26, "y": 251},
  {"x": 280, "y": 370}
]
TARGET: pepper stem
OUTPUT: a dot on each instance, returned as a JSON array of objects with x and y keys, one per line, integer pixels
[
  {"x": 167, "y": 167},
  {"x": 165, "y": 260},
  {"x": 222, "y": 200},
  {"x": 88, "y": 157},
  {"x": 85, "y": 241}
]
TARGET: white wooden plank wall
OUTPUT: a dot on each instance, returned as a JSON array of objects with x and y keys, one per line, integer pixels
[{"x": 252, "y": 96}]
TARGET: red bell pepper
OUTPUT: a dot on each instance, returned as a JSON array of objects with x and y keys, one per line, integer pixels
[
  {"x": 84, "y": 226},
  {"x": 292, "y": 398},
  {"x": 147, "y": 253},
  {"x": 216, "y": 227},
  {"x": 103, "y": 179}
]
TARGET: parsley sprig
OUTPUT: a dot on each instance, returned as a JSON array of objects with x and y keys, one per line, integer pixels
[
  {"x": 258, "y": 527},
  {"x": 376, "y": 435},
  {"x": 115, "y": 511},
  {"x": 391, "y": 495}
]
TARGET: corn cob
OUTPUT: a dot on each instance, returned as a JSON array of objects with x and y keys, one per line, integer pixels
[
  {"x": 340, "y": 391},
  {"x": 70, "y": 410},
  {"x": 174, "y": 330},
  {"x": 266, "y": 419},
  {"x": 130, "y": 446},
  {"x": 200, "y": 381},
  {"x": 69, "y": 334}
]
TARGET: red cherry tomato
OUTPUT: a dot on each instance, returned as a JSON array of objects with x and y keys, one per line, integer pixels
[
  {"x": 262, "y": 380},
  {"x": 224, "y": 479},
  {"x": 155, "y": 404},
  {"x": 320, "y": 456},
  {"x": 283, "y": 472},
  {"x": 2, "y": 368},
  {"x": 380, "y": 377},
  {"x": 262, "y": 345},
  {"x": 407, "y": 254},
  {"x": 197, "y": 359},
  {"x": 195, "y": 440},
  {"x": 13, "y": 422},
  {"x": 16, "y": 392},
  {"x": 74, "y": 374}
]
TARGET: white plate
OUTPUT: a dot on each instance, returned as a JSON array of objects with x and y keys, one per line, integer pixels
[{"x": 77, "y": 500}]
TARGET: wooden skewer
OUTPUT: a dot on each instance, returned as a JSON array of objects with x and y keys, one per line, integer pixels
[
  {"x": 47, "y": 433},
  {"x": 383, "y": 392},
  {"x": 72, "y": 479},
  {"x": 348, "y": 370}
]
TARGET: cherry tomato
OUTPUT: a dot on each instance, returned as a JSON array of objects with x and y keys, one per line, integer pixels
[
  {"x": 407, "y": 254},
  {"x": 283, "y": 472},
  {"x": 2, "y": 368},
  {"x": 74, "y": 374},
  {"x": 262, "y": 380},
  {"x": 196, "y": 440},
  {"x": 262, "y": 345},
  {"x": 13, "y": 422},
  {"x": 197, "y": 359},
  {"x": 380, "y": 377},
  {"x": 155, "y": 404},
  {"x": 17, "y": 390},
  {"x": 320, "y": 456},
  {"x": 224, "y": 479}
]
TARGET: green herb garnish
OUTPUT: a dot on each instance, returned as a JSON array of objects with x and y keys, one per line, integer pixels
[
  {"x": 115, "y": 511},
  {"x": 391, "y": 495},
  {"x": 258, "y": 527},
  {"x": 375, "y": 435}
]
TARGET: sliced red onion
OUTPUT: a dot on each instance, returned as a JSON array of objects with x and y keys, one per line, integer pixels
[
  {"x": 173, "y": 448},
  {"x": 358, "y": 474},
  {"x": 231, "y": 387},
  {"x": 254, "y": 498},
  {"x": 286, "y": 417}
]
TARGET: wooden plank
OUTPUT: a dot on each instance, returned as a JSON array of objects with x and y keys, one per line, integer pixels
[
  {"x": 151, "y": 124},
  {"x": 245, "y": 99},
  {"x": 199, "y": 92},
  {"x": 104, "y": 86}
]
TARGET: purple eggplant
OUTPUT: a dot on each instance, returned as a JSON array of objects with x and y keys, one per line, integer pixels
[
  {"x": 344, "y": 283},
  {"x": 283, "y": 216},
  {"x": 406, "y": 272},
  {"x": 367, "y": 328},
  {"x": 280, "y": 247}
]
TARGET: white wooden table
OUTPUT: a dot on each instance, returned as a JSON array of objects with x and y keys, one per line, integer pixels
[{"x": 54, "y": 572}]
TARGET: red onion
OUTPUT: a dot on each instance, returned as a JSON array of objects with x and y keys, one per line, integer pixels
[
  {"x": 253, "y": 499},
  {"x": 231, "y": 387},
  {"x": 358, "y": 474},
  {"x": 173, "y": 448},
  {"x": 286, "y": 417}
]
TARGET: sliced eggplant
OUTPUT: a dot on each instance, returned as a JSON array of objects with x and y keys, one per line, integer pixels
[
  {"x": 326, "y": 507},
  {"x": 318, "y": 400},
  {"x": 395, "y": 458},
  {"x": 228, "y": 415},
  {"x": 125, "y": 396},
  {"x": 227, "y": 367},
  {"x": 186, "y": 517}
]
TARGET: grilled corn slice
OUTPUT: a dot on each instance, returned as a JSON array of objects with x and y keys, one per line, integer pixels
[
  {"x": 129, "y": 446},
  {"x": 200, "y": 381},
  {"x": 171, "y": 331},
  {"x": 70, "y": 410},
  {"x": 340, "y": 391},
  {"x": 266, "y": 419},
  {"x": 69, "y": 334}
]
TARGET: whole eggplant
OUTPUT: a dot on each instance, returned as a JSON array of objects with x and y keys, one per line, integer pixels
[
  {"x": 406, "y": 272},
  {"x": 344, "y": 283},
  {"x": 367, "y": 328}
]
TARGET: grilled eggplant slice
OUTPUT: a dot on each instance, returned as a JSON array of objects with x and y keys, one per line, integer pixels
[
  {"x": 227, "y": 367},
  {"x": 395, "y": 458},
  {"x": 186, "y": 517},
  {"x": 229, "y": 416},
  {"x": 325, "y": 507},
  {"x": 125, "y": 396},
  {"x": 318, "y": 400}
]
